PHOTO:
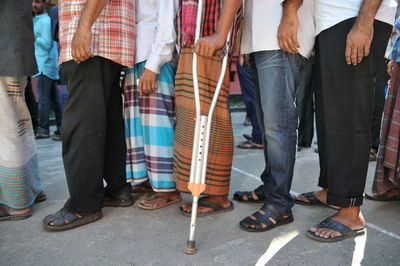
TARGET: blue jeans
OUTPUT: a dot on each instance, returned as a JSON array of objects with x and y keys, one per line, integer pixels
[
  {"x": 278, "y": 75},
  {"x": 248, "y": 95},
  {"x": 49, "y": 99}
]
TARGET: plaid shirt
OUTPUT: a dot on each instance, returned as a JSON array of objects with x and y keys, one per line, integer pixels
[{"x": 113, "y": 32}]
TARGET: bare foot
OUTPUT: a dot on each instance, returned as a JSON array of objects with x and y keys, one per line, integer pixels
[
  {"x": 350, "y": 217},
  {"x": 160, "y": 198},
  {"x": 12, "y": 211},
  {"x": 221, "y": 200}
]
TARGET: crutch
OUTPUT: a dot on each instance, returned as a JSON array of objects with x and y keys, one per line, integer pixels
[{"x": 201, "y": 139}]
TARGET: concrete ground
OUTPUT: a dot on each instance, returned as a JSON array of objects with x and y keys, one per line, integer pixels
[{"x": 131, "y": 236}]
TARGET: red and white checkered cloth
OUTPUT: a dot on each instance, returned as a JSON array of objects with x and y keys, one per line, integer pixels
[{"x": 113, "y": 32}]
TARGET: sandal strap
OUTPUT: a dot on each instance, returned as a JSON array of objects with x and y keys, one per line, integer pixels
[
  {"x": 259, "y": 191},
  {"x": 211, "y": 205},
  {"x": 311, "y": 198},
  {"x": 333, "y": 225},
  {"x": 269, "y": 212},
  {"x": 62, "y": 217}
]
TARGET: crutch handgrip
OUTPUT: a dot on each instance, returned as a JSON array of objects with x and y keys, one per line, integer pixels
[{"x": 196, "y": 189}]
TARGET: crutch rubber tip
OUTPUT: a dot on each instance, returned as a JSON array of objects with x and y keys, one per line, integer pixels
[{"x": 191, "y": 248}]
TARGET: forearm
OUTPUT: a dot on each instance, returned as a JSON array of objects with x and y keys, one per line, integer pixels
[
  {"x": 367, "y": 12},
  {"x": 90, "y": 13},
  {"x": 228, "y": 14}
]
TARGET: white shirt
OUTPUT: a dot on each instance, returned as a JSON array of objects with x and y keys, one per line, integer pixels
[
  {"x": 261, "y": 23},
  {"x": 155, "y": 32},
  {"x": 331, "y": 12}
]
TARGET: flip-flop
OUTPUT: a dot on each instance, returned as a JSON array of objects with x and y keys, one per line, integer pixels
[
  {"x": 217, "y": 208},
  {"x": 336, "y": 226},
  {"x": 168, "y": 202},
  {"x": 382, "y": 197},
  {"x": 249, "y": 144},
  {"x": 5, "y": 216},
  {"x": 313, "y": 201}
]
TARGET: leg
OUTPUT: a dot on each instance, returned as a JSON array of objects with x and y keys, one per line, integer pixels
[
  {"x": 277, "y": 69},
  {"x": 44, "y": 89},
  {"x": 248, "y": 94},
  {"x": 84, "y": 130},
  {"x": 305, "y": 106},
  {"x": 348, "y": 127},
  {"x": 56, "y": 103},
  {"x": 32, "y": 104}
]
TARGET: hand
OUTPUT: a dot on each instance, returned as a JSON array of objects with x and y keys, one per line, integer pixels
[
  {"x": 147, "y": 82},
  {"x": 207, "y": 46},
  {"x": 287, "y": 33},
  {"x": 358, "y": 43},
  {"x": 390, "y": 67},
  {"x": 81, "y": 45}
]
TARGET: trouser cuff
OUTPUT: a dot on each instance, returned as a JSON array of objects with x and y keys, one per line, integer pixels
[{"x": 344, "y": 202}]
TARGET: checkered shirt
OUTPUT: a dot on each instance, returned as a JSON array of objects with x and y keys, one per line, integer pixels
[{"x": 113, "y": 32}]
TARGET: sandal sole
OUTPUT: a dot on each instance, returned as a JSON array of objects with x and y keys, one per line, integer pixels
[
  {"x": 189, "y": 214},
  {"x": 355, "y": 233},
  {"x": 144, "y": 207},
  {"x": 16, "y": 217},
  {"x": 124, "y": 203},
  {"x": 85, "y": 220},
  {"x": 254, "y": 230}
]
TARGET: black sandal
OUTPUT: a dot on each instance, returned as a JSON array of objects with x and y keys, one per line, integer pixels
[
  {"x": 312, "y": 200},
  {"x": 5, "y": 216},
  {"x": 216, "y": 208},
  {"x": 345, "y": 231},
  {"x": 65, "y": 220},
  {"x": 239, "y": 195},
  {"x": 262, "y": 222}
]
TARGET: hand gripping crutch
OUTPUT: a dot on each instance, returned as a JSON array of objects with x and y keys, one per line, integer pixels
[{"x": 201, "y": 135}]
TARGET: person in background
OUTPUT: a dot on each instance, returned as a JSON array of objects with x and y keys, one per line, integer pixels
[
  {"x": 149, "y": 106},
  {"x": 20, "y": 185},
  {"x": 47, "y": 78},
  {"x": 305, "y": 107},
  {"x": 254, "y": 140},
  {"x": 386, "y": 185},
  {"x": 97, "y": 39}
]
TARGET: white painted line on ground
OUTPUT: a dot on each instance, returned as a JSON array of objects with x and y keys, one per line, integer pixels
[
  {"x": 359, "y": 249},
  {"x": 276, "y": 244},
  {"x": 384, "y": 231},
  {"x": 374, "y": 226},
  {"x": 245, "y": 173}
]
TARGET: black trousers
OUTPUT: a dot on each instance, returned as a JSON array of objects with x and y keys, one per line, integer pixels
[
  {"x": 344, "y": 104},
  {"x": 32, "y": 104},
  {"x": 305, "y": 106},
  {"x": 93, "y": 140},
  {"x": 381, "y": 80}
]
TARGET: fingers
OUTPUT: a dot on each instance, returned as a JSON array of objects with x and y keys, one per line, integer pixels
[
  {"x": 360, "y": 54},
  {"x": 289, "y": 42},
  {"x": 146, "y": 86}
]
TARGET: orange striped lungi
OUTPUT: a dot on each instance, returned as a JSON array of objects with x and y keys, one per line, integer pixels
[{"x": 221, "y": 139}]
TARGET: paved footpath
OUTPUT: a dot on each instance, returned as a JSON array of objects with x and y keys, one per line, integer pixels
[{"x": 131, "y": 236}]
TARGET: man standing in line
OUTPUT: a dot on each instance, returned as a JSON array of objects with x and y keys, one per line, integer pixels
[
  {"x": 351, "y": 42},
  {"x": 279, "y": 35},
  {"x": 47, "y": 79},
  {"x": 97, "y": 39}
]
